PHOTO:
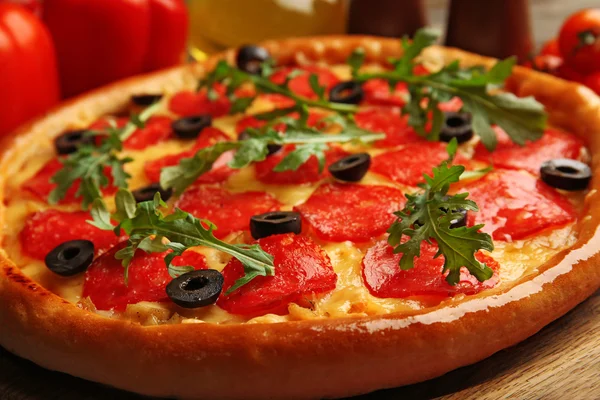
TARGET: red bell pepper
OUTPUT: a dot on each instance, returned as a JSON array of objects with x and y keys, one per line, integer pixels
[
  {"x": 99, "y": 41},
  {"x": 28, "y": 72}
]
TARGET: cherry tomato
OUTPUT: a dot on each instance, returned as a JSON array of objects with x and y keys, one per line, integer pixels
[
  {"x": 550, "y": 48},
  {"x": 579, "y": 41},
  {"x": 545, "y": 63},
  {"x": 593, "y": 82}
]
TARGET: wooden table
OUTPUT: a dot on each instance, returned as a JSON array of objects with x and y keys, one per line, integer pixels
[{"x": 560, "y": 362}]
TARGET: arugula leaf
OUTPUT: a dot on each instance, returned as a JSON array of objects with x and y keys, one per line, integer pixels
[
  {"x": 427, "y": 216},
  {"x": 356, "y": 60},
  {"x": 152, "y": 231},
  {"x": 319, "y": 90},
  {"x": 293, "y": 160}
]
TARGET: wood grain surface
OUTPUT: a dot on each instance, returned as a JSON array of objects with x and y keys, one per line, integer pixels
[{"x": 560, "y": 362}]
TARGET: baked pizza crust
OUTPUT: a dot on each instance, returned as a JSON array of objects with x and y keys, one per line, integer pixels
[{"x": 304, "y": 359}]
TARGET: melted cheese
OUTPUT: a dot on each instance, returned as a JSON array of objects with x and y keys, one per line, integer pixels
[{"x": 351, "y": 297}]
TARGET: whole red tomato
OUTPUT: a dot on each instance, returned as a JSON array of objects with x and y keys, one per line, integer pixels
[
  {"x": 593, "y": 82},
  {"x": 579, "y": 41}
]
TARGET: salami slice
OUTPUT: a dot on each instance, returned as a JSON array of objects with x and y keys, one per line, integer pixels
[
  {"x": 300, "y": 84},
  {"x": 553, "y": 144},
  {"x": 384, "y": 278},
  {"x": 148, "y": 278},
  {"x": 513, "y": 205},
  {"x": 407, "y": 165},
  {"x": 45, "y": 230},
  {"x": 307, "y": 173},
  {"x": 40, "y": 186},
  {"x": 230, "y": 212},
  {"x": 389, "y": 121},
  {"x": 302, "y": 268},
  {"x": 340, "y": 212}
]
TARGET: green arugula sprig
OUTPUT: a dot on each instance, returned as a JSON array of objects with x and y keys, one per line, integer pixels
[
  {"x": 89, "y": 162},
  {"x": 524, "y": 119},
  {"x": 428, "y": 215},
  {"x": 308, "y": 142},
  {"x": 152, "y": 231}
]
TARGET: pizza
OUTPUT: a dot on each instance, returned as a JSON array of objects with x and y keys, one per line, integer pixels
[{"x": 300, "y": 219}]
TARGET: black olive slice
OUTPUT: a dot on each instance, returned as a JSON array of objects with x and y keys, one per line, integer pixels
[
  {"x": 349, "y": 92},
  {"x": 456, "y": 125},
  {"x": 461, "y": 221},
  {"x": 145, "y": 100},
  {"x": 351, "y": 168},
  {"x": 70, "y": 141},
  {"x": 275, "y": 223},
  {"x": 249, "y": 58},
  {"x": 70, "y": 258},
  {"x": 190, "y": 127},
  {"x": 147, "y": 193},
  {"x": 271, "y": 148},
  {"x": 566, "y": 174},
  {"x": 196, "y": 289}
]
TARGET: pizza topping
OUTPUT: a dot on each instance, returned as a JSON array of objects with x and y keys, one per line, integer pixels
[
  {"x": 351, "y": 168},
  {"x": 514, "y": 205},
  {"x": 339, "y": 212},
  {"x": 45, "y": 230},
  {"x": 249, "y": 58},
  {"x": 407, "y": 165},
  {"x": 155, "y": 130},
  {"x": 389, "y": 121},
  {"x": 70, "y": 141},
  {"x": 150, "y": 230},
  {"x": 271, "y": 148},
  {"x": 196, "y": 289},
  {"x": 385, "y": 279},
  {"x": 275, "y": 223},
  {"x": 147, "y": 193},
  {"x": 378, "y": 93},
  {"x": 147, "y": 277},
  {"x": 191, "y": 127},
  {"x": 566, "y": 174},
  {"x": 348, "y": 92},
  {"x": 230, "y": 212},
  {"x": 303, "y": 269},
  {"x": 146, "y": 99},
  {"x": 459, "y": 221},
  {"x": 456, "y": 125},
  {"x": 70, "y": 258},
  {"x": 306, "y": 81},
  {"x": 188, "y": 103},
  {"x": 553, "y": 144}
]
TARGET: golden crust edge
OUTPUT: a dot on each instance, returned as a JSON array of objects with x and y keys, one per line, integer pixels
[{"x": 320, "y": 358}]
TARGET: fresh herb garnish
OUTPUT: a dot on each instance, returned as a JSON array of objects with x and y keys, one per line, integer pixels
[
  {"x": 427, "y": 216},
  {"x": 152, "y": 231},
  {"x": 89, "y": 162}
]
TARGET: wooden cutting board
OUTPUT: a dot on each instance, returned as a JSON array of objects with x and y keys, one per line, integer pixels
[{"x": 561, "y": 362}]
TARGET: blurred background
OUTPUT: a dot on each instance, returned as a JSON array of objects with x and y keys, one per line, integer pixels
[{"x": 51, "y": 50}]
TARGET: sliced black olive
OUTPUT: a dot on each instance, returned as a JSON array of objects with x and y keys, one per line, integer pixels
[
  {"x": 461, "y": 221},
  {"x": 190, "y": 127},
  {"x": 456, "y": 125},
  {"x": 349, "y": 92},
  {"x": 566, "y": 174},
  {"x": 275, "y": 223},
  {"x": 70, "y": 141},
  {"x": 351, "y": 168},
  {"x": 145, "y": 100},
  {"x": 271, "y": 148},
  {"x": 196, "y": 289},
  {"x": 70, "y": 258},
  {"x": 249, "y": 58},
  {"x": 147, "y": 193}
]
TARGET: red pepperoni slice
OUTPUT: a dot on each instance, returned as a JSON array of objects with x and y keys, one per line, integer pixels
[
  {"x": 378, "y": 93},
  {"x": 300, "y": 84},
  {"x": 514, "y": 205},
  {"x": 279, "y": 100},
  {"x": 390, "y": 122},
  {"x": 230, "y": 212},
  {"x": 302, "y": 268},
  {"x": 553, "y": 144},
  {"x": 40, "y": 186},
  {"x": 148, "y": 278},
  {"x": 208, "y": 137},
  {"x": 384, "y": 278},
  {"x": 408, "y": 164},
  {"x": 307, "y": 173},
  {"x": 157, "y": 129},
  {"x": 189, "y": 103},
  {"x": 45, "y": 230},
  {"x": 339, "y": 212}
]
